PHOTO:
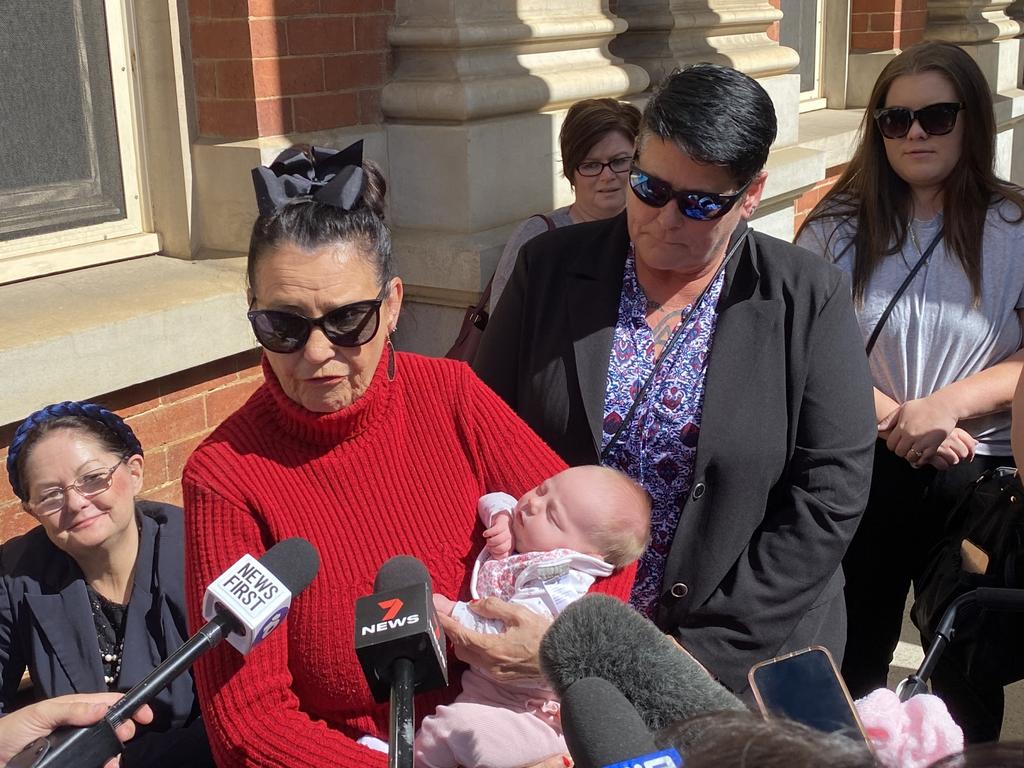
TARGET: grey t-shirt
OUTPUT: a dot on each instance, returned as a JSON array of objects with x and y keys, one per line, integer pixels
[
  {"x": 521, "y": 235},
  {"x": 935, "y": 335}
]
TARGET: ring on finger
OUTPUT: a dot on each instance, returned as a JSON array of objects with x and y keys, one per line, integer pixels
[{"x": 914, "y": 454}]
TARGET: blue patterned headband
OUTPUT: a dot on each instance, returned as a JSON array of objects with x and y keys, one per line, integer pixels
[
  {"x": 330, "y": 176},
  {"x": 98, "y": 413}
]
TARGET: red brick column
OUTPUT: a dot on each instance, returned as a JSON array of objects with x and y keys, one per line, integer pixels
[
  {"x": 882, "y": 25},
  {"x": 267, "y": 67}
]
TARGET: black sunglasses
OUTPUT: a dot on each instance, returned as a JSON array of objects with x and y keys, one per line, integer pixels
[
  {"x": 935, "y": 119},
  {"x": 699, "y": 206},
  {"x": 351, "y": 325}
]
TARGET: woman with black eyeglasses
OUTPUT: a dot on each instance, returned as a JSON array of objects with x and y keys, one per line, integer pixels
[
  {"x": 719, "y": 367},
  {"x": 931, "y": 237},
  {"x": 366, "y": 452},
  {"x": 93, "y": 598},
  {"x": 596, "y": 144}
]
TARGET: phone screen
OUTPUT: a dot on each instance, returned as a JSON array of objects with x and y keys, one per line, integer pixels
[{"x": 806, "y": 687}]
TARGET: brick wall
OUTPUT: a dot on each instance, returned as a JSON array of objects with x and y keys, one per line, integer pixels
[
  {"x": 170, "y": 416},
  {"x": 806, "y": 202},
  {"x": 773, "y": 29},
  {"x": 881, "y": 25},
  {"x": 268, "y": 67}
]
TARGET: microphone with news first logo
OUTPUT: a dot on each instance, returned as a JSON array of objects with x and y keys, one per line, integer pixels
[
  {"x": 400, "y": 644},
  {"x": 251, "y": 592},
  {"x": 289, "y": 566}
]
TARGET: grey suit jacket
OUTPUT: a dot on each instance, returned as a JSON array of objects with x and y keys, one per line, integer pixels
[
  {"x": 46, "y": 626},
  {"x": 784, "y": 454}
]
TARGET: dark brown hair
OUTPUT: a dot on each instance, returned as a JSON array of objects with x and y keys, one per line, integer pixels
[
  {"x": 878, "y": 201},
  {"x": 746, "y": 740},
  {"x": 310, "y": 225},
  {"x": 589, "y": 121},
  {"x": 100, "y": 433}
]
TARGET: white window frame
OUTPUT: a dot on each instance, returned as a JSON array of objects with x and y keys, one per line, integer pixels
[{"x": 77, "y": 247}]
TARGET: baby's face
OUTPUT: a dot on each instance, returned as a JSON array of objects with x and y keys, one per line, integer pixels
[{"x": 557, "y": 514}]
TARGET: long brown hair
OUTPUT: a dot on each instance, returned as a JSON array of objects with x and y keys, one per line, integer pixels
[{"x": 870, "y": 193}]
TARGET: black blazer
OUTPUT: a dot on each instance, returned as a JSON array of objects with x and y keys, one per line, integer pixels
[
  {"x": 784, "y": 455},
  {"x": 46, "y": 626}
]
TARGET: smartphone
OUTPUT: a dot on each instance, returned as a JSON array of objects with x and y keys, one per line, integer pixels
[{"x": 805, "y": 686}]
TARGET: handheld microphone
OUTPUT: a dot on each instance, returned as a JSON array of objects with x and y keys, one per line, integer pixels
[
  {"x": 289, "y": 566},
  {"x": 603, "y": 730},
  {"x": 599, "y": 636},
  {"x": 257, "y": 593},
  {"x": 400, "y": 645}
]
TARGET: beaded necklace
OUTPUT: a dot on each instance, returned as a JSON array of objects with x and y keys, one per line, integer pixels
[{"x": 108, "y": 617}]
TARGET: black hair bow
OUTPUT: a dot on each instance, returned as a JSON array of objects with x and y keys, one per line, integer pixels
[{"x": 330, "y": 176}]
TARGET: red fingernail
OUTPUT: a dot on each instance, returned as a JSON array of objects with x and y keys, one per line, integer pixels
[{"x": 566, "y": 762}]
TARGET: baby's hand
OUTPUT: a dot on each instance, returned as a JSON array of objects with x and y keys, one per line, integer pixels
[
  {"x": 498, "y": 538},
  {"x": 443, "y": 605}
]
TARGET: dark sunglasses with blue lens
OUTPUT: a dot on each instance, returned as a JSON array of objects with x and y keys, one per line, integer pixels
[
  {"x": 351, "y": 325},
  {"x": 699, "y": 206}
]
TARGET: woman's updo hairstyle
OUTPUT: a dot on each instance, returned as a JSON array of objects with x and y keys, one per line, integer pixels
[
  {"x": 314, "y": 197},
  {"x": 105, "y": 427}
]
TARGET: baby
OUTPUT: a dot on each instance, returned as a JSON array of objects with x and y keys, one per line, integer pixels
[{"x": 543, "y": 552}]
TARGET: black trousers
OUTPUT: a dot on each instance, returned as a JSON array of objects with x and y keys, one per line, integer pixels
[{"x": 906, "y": 513}]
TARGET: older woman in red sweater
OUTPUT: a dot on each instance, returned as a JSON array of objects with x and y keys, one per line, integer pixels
[{"x": 364, "y": 451}]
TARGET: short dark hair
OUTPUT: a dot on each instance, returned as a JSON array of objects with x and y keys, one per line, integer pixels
[
  {"x": 587, "y": 122},
  {"x": 717, "y": 115},
  {"x": 310, "y": 224}
]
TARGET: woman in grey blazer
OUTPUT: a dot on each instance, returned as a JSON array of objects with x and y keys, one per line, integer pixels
[
  {"x": 721, "y": 368},
  {"x": 92, "y": 599}
]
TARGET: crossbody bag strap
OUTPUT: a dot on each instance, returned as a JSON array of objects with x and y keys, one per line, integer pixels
[
  {"x": 899, "y": 291},
  {"x": 666, "y": 352}
]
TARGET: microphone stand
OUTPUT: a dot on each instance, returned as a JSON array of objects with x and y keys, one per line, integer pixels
[
  {"x": 996, "y": 598},
  {"x": 402, "y": 714}
]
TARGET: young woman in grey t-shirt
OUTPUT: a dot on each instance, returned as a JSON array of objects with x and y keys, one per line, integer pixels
[{"x": 949, "y": 355}]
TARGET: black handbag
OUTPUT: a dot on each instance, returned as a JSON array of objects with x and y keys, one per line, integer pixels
[{"x": 989, "y": 517}]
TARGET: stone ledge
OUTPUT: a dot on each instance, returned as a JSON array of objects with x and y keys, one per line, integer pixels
[
  {"x": 831, "y": 131},
  {"x": 86, "y": 333}
]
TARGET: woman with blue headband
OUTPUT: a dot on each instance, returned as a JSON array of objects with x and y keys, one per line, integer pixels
[{"x": 92, "y": 599}]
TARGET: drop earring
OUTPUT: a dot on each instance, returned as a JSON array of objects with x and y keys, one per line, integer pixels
[{"x": 391, "y": 356}]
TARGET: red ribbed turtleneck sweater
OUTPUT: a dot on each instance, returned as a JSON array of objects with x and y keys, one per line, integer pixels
[{"x": 397, "y": 472}]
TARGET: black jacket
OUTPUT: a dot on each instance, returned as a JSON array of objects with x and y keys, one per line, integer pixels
[
  {"x": 46, "y": 626},
  {"x": 784, "y": 455}
]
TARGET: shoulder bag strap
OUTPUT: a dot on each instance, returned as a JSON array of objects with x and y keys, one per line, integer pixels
[
  {"x": 901, "y": 289},
  {"x": 547, "y": 220},
  {"x": 485, "y": 297}
]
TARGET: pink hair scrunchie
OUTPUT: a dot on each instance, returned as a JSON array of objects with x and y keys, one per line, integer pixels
[{"x": 911, "y": 734}]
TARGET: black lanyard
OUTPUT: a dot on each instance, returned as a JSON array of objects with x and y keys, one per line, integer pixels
[{"x": 677, "y": 334}]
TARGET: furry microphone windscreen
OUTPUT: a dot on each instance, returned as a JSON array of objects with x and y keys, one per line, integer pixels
[{"x": 599, "y": 636}]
